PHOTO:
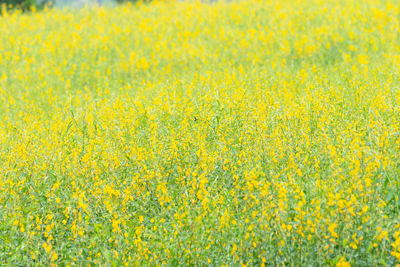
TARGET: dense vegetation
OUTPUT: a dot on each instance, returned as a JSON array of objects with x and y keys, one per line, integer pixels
[
  {"x": 29, "y": 5},
  {"x": 21, "y": 4},
  {"x": 259, "y": 133}
]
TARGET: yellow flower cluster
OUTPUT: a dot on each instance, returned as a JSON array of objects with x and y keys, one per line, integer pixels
[{"x": 192, "y": 133}]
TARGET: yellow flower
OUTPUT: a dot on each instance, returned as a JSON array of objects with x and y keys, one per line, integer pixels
[
  {"x": 54, "y": 256},
  {"x": 47, "y": 247},
  {"x": 343, "y": 263}
]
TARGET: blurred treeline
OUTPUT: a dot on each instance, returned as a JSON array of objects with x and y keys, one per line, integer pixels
[
  {"x": 22, "y": 4},
  {"x": 27, "y": 5}
]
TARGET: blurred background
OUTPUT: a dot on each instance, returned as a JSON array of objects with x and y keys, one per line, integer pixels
[{"x": 27, "y": 5}]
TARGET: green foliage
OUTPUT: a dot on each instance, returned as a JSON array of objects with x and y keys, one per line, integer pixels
[{"x": 23, "y": 5}]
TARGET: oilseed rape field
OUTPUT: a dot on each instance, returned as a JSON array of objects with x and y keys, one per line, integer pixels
[{"x": 252, "y": 133}]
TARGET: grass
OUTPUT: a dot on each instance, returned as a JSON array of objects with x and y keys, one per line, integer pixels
[{"x": 187, "y": 133}]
